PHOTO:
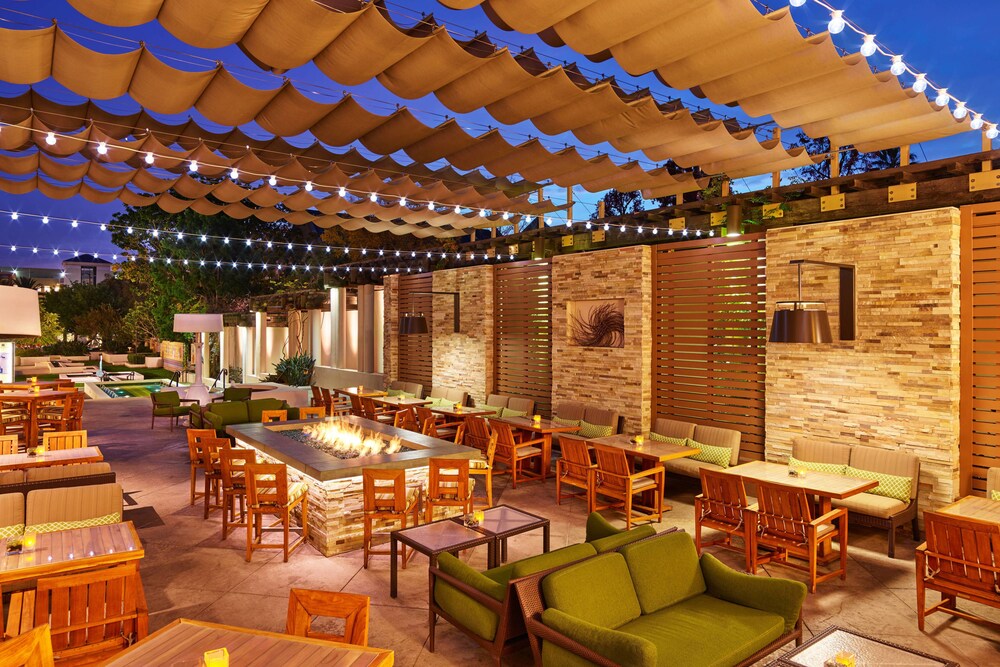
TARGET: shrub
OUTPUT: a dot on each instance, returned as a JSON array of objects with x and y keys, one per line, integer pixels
[
  {"x": 67, "y": 348},
  {"x": 235, "y": 374},
  {"x": 139, "y": 358},
  {"x": 295, "y": 371}
]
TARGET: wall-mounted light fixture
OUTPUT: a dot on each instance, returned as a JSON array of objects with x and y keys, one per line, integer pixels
[
  {"x": 807, "y": 321},
  {"x": 416, "y": 323}
]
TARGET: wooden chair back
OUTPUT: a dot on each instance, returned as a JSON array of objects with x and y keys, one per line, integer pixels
[
  {"x": 477, "y": 433},
  {"x": 8, "y": 444},
  {"x": 783, "y": 512},
  {"x": 212, "y": 449},
  {"x": 196, "y": 438},
  {"x": 614, "y": 463},
  {"x": 267, "y": 484},
  {"x": 491, "y": 449},
  {"x": 269, "y": 416},
  {"x": 576, "y": 459},
  {"x": 383, "y": 490},
  {"x": 313, "y": 412},
  {"x": 317, "y": 396},
  {"x": 963, "y": 551},
  {"x": 232, "y": 464},
  {"x": 723, "y": 498},
  {"x": 305, "y": 605},
  {"x": 424, "y": 415},
  {"x": 448, "y": 479},
  {"x": 356, "y": 408},
  {"x": 31, "y": 649},
  {"x": 505, "y": 440},
  {"x": 368, "y": 409},
  {"x": 406, "y": 419},
  {"x": 54, "y": 441}
]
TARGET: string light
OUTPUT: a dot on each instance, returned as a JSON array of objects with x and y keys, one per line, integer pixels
[
  {"x": 868, "y": 47},
  {"x": 149, "y": 158},
  {"x": 50, "y": 138},
  {"x": 272, "y": 180},
  {"x": 898, "y": 67},
  {"x": 193, "y": 166},
  {"x": 920, "y": 83},
  {"x": 102, "y": 148},
  {"x": 837, "y": 23},
  {"x": 234, "y": 173},
  {"x": 309, "y": 186}
]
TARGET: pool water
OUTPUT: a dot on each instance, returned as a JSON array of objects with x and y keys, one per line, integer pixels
[{"x": 131, "y": 389}]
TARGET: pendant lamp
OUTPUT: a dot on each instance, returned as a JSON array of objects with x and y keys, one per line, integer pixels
[{"x": 807, "y": 321}]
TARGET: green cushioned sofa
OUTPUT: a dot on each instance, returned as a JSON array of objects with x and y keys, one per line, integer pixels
[
  {"x": 227, "y": 413},
  {"x": 483, "y": 605},
  {"x": 653, "y": 603}
]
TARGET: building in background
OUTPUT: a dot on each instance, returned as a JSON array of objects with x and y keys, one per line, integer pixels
[{"x": 85, "y": 269}]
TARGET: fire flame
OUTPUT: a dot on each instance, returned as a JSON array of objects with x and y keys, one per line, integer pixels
[{"x": 351, "y": 440}]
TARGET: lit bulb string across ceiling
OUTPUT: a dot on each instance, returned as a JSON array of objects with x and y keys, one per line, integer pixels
[{"x": 898, "y": 67}]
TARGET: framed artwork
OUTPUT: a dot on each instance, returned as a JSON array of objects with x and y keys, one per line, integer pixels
[{"x": 597, "y": 323}]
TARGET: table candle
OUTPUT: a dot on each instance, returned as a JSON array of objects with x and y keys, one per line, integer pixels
[
  {"x": 458, "y": 408},
  {"x": 361, "y": 390},
  {"x": 29, "y": 540},
  {"x": 37, "y": 388},
  {"x": 537, "y": 418},
  {"x": 639, "y": 440},
  {"x": 39, "y": 450},
  {"x": 479, "y": 516},
  {"x": 34, "y": 380},
  {"x": 217, "y": 658}
]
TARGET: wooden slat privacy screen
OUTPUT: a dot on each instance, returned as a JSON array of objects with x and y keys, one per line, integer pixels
[
  {"x": 416, "y": 351},
  {"x": 709, "y": 335},
  {"x": 979, "y": 447},
  {"x": 522, "y": 322}
]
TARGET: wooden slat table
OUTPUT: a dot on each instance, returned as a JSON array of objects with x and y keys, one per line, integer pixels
[
  {"x": 183, "y": 644},
  {"x": 70, "y": 550},
  {"x": 462, "y": 412},
  {"x": 544, "y": 427},
  {"x": 56, "y": 458},
  {"x": 25, "y": 385},
  {"x": 400, "y": 401},
  {"x": 974, "y": 507},
  {"x": 651, "y": 452},
  {"x": 367, "y": 392},
  {"x": 32, "y": 399}
]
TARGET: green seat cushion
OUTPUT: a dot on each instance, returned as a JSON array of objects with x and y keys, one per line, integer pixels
[
  {"x": 994, "y": 495},
  {"x": 570, "y": 554},
  {"x": 237, "y": 394},
  {"x": 598, "y": 590},
  {"x": 832, "y": 468},
  {"x": 507, "y": 412},
  {"x": 655, "y": 589},
  {"x": 783, "y": 597},
  {"x": 588, "y": 430},
  {"x": 663, "y": 438},
  {"x": 706, "y": 632},
  {"x": 612, "y": 542},
  {"x": 567, "y": 422},
  {"x": 230, "y": 412},
  {"x": 623, "y": 648},
  {"x": 719, "y": 456},
  {"x": 890, "y": 486},
  {"x": 474, "y": 616},
  {"x": 171, "y": 410}
]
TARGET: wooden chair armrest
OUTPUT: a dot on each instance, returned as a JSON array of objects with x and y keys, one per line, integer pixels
[
  {"x": 829, "y": 516},
  {"x": 536, "y": 441},
  {"x": 649, "y": 472},
  {"x": 535, "y": 627},
  {"x": 487, "y": 601},
  {"x": 189, "y": 400}
]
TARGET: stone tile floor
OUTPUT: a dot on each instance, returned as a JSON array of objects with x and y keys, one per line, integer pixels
[{"x": 190, "y": 572}]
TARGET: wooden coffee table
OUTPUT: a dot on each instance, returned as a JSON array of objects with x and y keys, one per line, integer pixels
[
  {"x": 504, "y": 521},
  {"x": 868, "y": 650}
]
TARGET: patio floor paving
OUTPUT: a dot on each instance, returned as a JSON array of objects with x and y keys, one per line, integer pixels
[{"x": 189, "y": 572}]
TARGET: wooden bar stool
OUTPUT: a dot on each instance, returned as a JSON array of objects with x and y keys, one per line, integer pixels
[
  {"x": 305, "y": 605},
  {"x": 312, "y": 412},
  {"x": 484, "y": 467},
  {"x": 269, "y": 416},
  {"x": 269, "y": 493},
  {"x": 213, "y": 472},
  {"x": 8, "y": 444},
  {"x": 232, "y": 463},
  {"x": 448, "y": 485},
  {"x": 196, "y": 455},
  {"x": 387, "y": 498}
]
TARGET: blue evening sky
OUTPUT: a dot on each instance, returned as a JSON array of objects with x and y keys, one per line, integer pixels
[{"x": 951, "y": 41}]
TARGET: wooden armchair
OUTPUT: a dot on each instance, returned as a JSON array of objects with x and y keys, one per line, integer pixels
[
  {"x": 30, "y": 649},
  {"x": 784, "y": 522},
  {"x": 268, "y": 416},
  {"x": 576, "y": 468},
  {"x": 960, "y": 559},
  {"x": 57, "y": 440},
  {"x": 304, "y": 605},
  {"x": 722, "y": 505},
  {"x": 356, "y": 408},
  {"x": 8, "y": 444},
  {"x": 477, "y": 433},
  {"x": 513, "y": 454},
  {"x": 406, "y": 419},
  {"x": 312, "y": 412},
  {"x": 92, "y": 615},
  {"x": 616, "y": 480},
  {"x": 376, "y": 413},
  {"x": 316, "y": 399},
  {"x": 169, "y": 404}
]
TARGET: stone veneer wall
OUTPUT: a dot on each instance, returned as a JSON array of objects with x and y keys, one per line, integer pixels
[
  {"x": 464, "y": 360},
  {"x": 897, "y": 385},
  {"x": 618, "y": 378},
  {"x": 390, "y": 319}
]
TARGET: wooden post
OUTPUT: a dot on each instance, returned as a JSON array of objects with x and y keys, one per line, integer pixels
[
  {"x": 904, "y": 155},
  {"x": 569, "y": 200},
  {"x": 776, "y": 175},
  {"x": 987, "y": 146},
  {"x": 834, "y": 167},
  {"x": 725, "y": 188},
  {"x": 600, "y": 209}
]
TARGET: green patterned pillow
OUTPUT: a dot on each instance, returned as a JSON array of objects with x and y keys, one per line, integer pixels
[
  {"x": 994, "y": 495},
  {"x": 396, "y": 392},
  {"x": 11, "y": 531},
  {"x": 588, "y": 430},
  {"x": 438, "y": 402},
  {"x": 890, "y": 486},
  {"x": 507, "y": 412},
  {"x": 663, "y": 438},
  {"x": 107, "y": 519},
  {"x": 711, "y": 454},
  {"x": 567, "y": 422},
  {"x": 492, "y": 409},
  {"x": 832, "y": 468}
]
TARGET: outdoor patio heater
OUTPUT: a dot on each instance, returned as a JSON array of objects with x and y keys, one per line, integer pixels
[
  {"x": 807, "y": 321},
  {"x": 20, "y": 308},
  {"x": 198, "y": 324}
]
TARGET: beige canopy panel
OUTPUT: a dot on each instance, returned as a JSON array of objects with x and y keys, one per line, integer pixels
[
  {"x": 353, "y": 42},
  {"x": 732, "y": 54},
  {"x": 31, "y": 56}
]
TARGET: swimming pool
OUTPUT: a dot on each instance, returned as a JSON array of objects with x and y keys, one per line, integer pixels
[{"x": 136, "y": 389}]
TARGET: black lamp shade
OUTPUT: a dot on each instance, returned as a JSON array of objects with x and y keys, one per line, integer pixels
[
  {"x": 413, "y": 323},
  {"x": 800, "y": 322}
]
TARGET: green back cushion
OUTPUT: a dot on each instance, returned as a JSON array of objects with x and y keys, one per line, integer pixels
[
  {"x": 257, "y": 406},
  {"x": 663, "y": 438},
  {"x": 719, "y": 456},
  {"x": 507, "y": 412},
  {"x": 994, "y": 495},
  {"x": 832, "y": 468},
  {"x": 231, "y": 413},
  {"x": 570, "y": 554},
  {"x": 612, "y": 542},
  {"x": 890, "y": 486},
  {"x": 237, "y": 394},
  {"x": 492, "y": 409},
  {"x": 566, "y": 422},
  {"x": 598, "y": 527},
  {"x": 588, "y": 430},
  {"x": 438, "y": 402},
  {"x": 165, "y": 398},
  {"x": 620, "y": 647},
  {"x": 459, "y": 606},
  {"x": 658, "y": 589},
  {"x": 598, "y": 590}
]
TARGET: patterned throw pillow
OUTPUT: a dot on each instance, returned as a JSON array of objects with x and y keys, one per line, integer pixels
[
  {"x": 588, "y": 430},
  {"x": 507, "y": 412},
  {"x": 107, "y": 519},
  {"x": 567, "y": 422},
  {"x": 890, "y": 486},
  {"x": 11, "y": 531},
  {"x": 711, "y": 454},
  {"x": 994, "y": 495},
  {"x": 832, "y": 468},
  {"x": 396, "y": 392},
  {"x": 663, "y": 438}
]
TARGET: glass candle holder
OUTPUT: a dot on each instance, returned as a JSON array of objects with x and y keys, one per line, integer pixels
[
  {"x": 216, "y": 658},
  {"x": 33, "y": 379},
  {"x": 639, "y": 439},
  {"x": 537, "y": 418},
  {"x": 479, "y": 516}
]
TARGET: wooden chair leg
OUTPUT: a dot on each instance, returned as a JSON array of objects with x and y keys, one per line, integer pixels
[
  {"x": 194, "y": 481},
  {"x": 842, "y": 529},
  {"x": 250, "y": 520},
  {"x": 285, "y": 521},
  {"x": 366, "y": 540}
]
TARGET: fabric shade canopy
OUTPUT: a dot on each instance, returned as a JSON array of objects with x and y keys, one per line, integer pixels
[
  {"x": 732, "y": 54},
  {"x": 353, "y": 42},
  {"x": 35, "y": 55}
]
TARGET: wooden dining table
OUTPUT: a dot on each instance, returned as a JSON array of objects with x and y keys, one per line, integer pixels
[
  {"x": 649, "y": 453},
  {"x": 27, "y": 385},
  {"x": 400, "y": 401},
  {"x": 974, "y": 507},
  {"x": 183, "y": 643},
  {"x": 72, "y": 550},
  {"x": 366, "y": 392},
  {"x": 55, "y": 458},
  {"x": 32, "y": 399},
  {"x": 544, "y": 428}
]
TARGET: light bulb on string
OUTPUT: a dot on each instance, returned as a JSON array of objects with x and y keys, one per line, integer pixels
[
  {"x": 13, "y": 216},
  {"x": 868, "y": 47},
  {"x": 272, "y": 180},
  {"x": 193, "y": 166},
  {"x": 149, "y": 158},
  {"x": 50, "y": 138},
  {"x": 104, "y": 228},
  {"x": 920, "y": 83},
  {"x": 102, "y": 148},
  {"x": 796, "y": 3},
  {"x": 128, "y": 230},
  {"x": 977, "y": 121},
  {"x": 74, "y": 224},
  {"x": 992, "y": 132},
  {"x": 898, "y": 67},
  {"x": 430, "y": 206},
  {"x": 482, "y": 213},
  {"x": 309, "y": 186},
  {"x": 588, "y": 224},
  {"x": 342, "y": 191},
  {"x": 960, "y": 111},
  {"x": 622, "y": 229},
  {"x": 373, "y": 197},
  {"x": 942, "y": 99},
  {"x": 655, "y": 231},
  {"x": 837, "y": 23},
  {"x": 234, "y": 173},
  {"x": 45, "y": 219},
  {"x": 606, "y": 226},
  {"x": 402, "y": 201},
  {"x": 458, "y": 211}
]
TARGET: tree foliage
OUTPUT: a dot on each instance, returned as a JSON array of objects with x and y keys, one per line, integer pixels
[{"x": 852, "y": 161}]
